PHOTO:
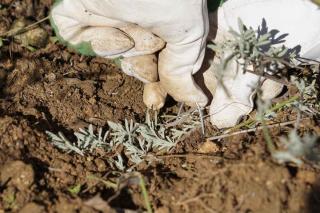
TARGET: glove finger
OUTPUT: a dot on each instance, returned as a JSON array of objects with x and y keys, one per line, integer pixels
[
  {"x": 105, "y": 41},
  {"x": 233, "y": 97},
  {"x": 144, "y": 68},
  {"x": 154, "y": 95},
  {"x": 228, "y": 114},
  {"x": 102, "y": 41},
  {"x": 75, "y": 23},
  {"x": 227, "y": 109},
  {"x": 184, "y": 53},
  {"x": 183, "y": 88},
  {"x": 177, "y": 63},
  {"x": 271, "y": 89},
  {"x": 145, "y": 41}
]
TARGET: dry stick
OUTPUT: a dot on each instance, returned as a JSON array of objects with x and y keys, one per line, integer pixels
[
  {"x": 201, "y": 120},
  {"x": 16, "y": 32},
  {"x": 185, "y": 155},
  {"x": 179, "y": 120},
  {"x": 254, "y": 130}
]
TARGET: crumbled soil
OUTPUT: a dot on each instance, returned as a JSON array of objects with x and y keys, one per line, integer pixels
[{"x": 54, "y": 89}]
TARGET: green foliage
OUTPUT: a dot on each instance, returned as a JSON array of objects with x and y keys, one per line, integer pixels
[
  {"x": 87, "y": 140},
  {"x": 139, "y": 140},
  {"x": 249, "y": 48},
  {"x": 63, "y": 143}
]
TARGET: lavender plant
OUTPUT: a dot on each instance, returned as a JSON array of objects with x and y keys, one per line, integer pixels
[
  {"x": 253, "y": 48},
  {"x": 255, "y": 52},
  {"x": 139, "y": 140}
]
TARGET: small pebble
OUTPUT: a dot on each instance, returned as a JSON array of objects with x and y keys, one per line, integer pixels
[
  {"x": 208, "y": 147},
  {"x": 101, "y": 166}
]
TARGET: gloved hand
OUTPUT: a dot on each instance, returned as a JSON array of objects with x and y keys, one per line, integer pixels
[
  {"x": 113, "y": 28},
  {"x": 299, "y": 18}
]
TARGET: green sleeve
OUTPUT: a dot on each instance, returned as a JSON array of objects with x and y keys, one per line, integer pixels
[{"x": 213, "y": 5}]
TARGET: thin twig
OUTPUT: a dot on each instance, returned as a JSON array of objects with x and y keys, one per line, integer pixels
[
  {"x": 254, "y": 130},
  {"x": 179, "y": 120},
  {"x": 201, "y": 120},
  {"x": 271, "y": 77},
  {"x": 185, "y": 155},
  {"x": 180, "y": 109},
  {"x": 14, "y": 32}
]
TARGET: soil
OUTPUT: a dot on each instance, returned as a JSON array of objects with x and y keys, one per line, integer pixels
[{"x": 54, "y": 89}]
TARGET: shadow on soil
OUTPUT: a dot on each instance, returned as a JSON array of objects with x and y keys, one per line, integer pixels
[{"x": 313, "y": 198}]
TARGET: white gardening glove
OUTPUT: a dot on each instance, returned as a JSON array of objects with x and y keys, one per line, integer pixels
[
  {"x": 113, "y": 28},
  {"x": 299, "y": 18}
]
